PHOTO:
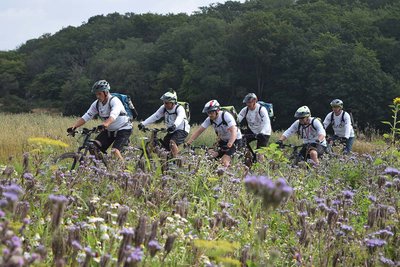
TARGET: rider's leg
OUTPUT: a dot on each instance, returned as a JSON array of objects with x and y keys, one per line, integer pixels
[
  {"x": 121, "y": 140},
  {"x": 262, "y": 141},
  {"x": 226, "y": 160},
  {"x": 314, "y": 156},
  {"x": 349, "y": 145},
  {"x": 174, "y": 148}
]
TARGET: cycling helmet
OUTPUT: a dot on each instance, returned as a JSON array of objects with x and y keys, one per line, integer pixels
[
  {"x": 337, "y": 103},
  {"x": 211, "y": 105},
  {"x": 249, "y": 97},
  {"x": 101, "y": 86},
  {"x": 302, "y": 112},
  {"x": 169, "y": 97}
]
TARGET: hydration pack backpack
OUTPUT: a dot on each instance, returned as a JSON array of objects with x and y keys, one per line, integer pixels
[
  {"x": 268, "y": 106},
  {"x": 232, "y": 111},
  {"x": 126, "y": 102}
]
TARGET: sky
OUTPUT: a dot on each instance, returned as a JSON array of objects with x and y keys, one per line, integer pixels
[{"x": 22, "y": 20}]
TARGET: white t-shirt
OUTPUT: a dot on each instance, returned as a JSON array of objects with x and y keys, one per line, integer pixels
[
  {"x": 341, "y": 128},
  {"x": 112, "y": 108},
  {"x": 221, "y": 128},
  {"x": 175, "y": 116},
  {"x": 257, "y": 119},
  {"x": 307, "y": 132}
]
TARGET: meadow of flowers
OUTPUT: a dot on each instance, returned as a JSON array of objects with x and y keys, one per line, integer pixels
[{"x": 195, "y": 213}]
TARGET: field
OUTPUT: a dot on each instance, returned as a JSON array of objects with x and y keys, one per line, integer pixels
[{"x": 343, "y": 213}]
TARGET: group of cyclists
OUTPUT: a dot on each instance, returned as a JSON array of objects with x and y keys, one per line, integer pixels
[{"x": 117, "y": 128}]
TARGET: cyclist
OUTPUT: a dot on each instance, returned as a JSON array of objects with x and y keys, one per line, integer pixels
[
  {"x": 225, "y": 127},
  {"x": 257, "y": 119},
  {"x": 311, "y": 131},
  {"x": 175, "y": 120},
  {"x": 116, "y": 127},
  {"x": 341, "y": 124}
]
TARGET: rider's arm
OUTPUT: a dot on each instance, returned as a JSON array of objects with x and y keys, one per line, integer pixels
[
  {"x": 327, "y": 120},
  {"x": 241, "y": 114},
  {"x": 155, "y": 117},
  {"x": 90, "y": 113},
  {"x": 196, "y": 134},
  {"x": 116, "y": 108},
  {"x": 232, "y": 139},
  {"x": 290, "y": 131},
  {"x": 266, "y": 122},
  {"x": 180, "y": 115},
  {"x": 78, "y": 123},
  {"x": 320, "y": 131},
  {"x": 347, "y": 125}
]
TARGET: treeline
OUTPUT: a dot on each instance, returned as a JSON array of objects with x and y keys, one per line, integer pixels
[{"x": 291, "y": 53}]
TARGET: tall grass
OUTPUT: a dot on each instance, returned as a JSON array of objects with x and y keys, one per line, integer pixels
[{"x": 17, "y": 128}]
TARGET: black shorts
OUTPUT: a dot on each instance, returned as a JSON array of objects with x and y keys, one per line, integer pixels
[
  {"x": 312, "y": 146},
  {"x": 119, "y": 139},
  {"x": 262, "y": 139},
  {"x": 178, "y": 137},
  {"x": 224, "y": 150}
]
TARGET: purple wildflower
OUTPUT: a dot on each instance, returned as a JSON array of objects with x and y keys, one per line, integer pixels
[
  {"x": 76, "y": 245},
  {"x": 58, "y": 198},
  {"x": 387, "y": 262},
  {"x": 372, "y": 198},
  {"x": 346, "y": 228},
  {"x": 374, "y": 242},
  {"x": 135, "y": 256},
  {"x": 153, "y": 247},
  {"x": 348, "y": 194},
  {"x": 11, "y": 196},
  {"x": 391, "y": 171},
  {"x": 28, "y": 176}
]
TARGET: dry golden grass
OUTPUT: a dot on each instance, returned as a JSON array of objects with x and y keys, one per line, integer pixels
[{"x": 17, "y": 128}]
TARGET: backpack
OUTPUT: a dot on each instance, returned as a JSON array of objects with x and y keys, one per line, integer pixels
[
  {"x": 268, "y": 106},
  {"x": 126, "y": 102},
  {"x": 232, "y": 111},
  {"x": 342, "y": 120},
  {"x": 300, "y": 133},
  {"x": 185, "y": 106}
]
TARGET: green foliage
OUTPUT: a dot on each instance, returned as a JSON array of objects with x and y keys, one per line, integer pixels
[{"x": 288, "y": 52}]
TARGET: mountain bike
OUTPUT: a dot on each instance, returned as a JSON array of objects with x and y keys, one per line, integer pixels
[
  {"x": 246, "y": 151},
  {"x": 295, "y": 156},
  {"x": 88, "y": 152},
  {"x": 151, "y": 146},
  {"x": 334, "y": 144}
]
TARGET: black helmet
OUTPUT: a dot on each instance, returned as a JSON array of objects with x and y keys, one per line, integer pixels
[{"x": 100, "y": 86}]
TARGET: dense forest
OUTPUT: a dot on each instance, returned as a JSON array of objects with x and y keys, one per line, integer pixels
[{"x": 288, "y": 52}]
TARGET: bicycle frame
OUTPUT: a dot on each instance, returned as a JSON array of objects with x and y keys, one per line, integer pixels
[{"x": 88, "y": 145}]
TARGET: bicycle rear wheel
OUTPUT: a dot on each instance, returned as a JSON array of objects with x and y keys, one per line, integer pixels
[{"x": 67, "y": 161}]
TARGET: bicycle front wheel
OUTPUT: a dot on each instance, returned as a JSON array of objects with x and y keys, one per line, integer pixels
[{"x": 67, "y": 161}]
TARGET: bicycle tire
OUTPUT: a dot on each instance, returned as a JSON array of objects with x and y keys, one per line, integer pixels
[{"x": 67, "y": 160}]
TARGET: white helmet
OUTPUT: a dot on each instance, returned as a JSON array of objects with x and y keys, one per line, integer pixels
[
  {"x": 249, "y": 97},
  {"x": 169, "y": 97},
  {"x": 337, "y": 103},
  {"x": 211, "y": 105},
  {"x": 302, "y": 112}
]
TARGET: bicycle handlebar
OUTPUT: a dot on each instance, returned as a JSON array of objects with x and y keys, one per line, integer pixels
[
  {"x": 155, "y": 130},
  {"x": 84, "y": 131}
]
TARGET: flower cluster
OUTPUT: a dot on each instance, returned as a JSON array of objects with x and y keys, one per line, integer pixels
[{"x": 273, "y": 193}]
